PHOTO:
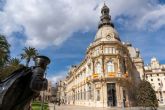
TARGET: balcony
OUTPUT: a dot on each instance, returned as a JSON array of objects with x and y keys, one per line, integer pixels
[
  {"x": 95, "y": 75},
  {"x": 112, "y": 74}
]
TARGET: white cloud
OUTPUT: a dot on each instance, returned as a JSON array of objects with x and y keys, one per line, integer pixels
[
  {"x": 51, "y": 22},
  {"x": 57, "y": 76},
  {"x": 47, "y": 22},
  {"x": 140, "y": 14},
  {"x": 154, "y": 19}
]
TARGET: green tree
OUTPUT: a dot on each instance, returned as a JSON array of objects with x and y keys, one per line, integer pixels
[
  {"x": 130, "y": 86},
  {"x": 4, "y": 51},
  {"x": 146, "y": 96},
  {"x": 12, "y": 65},
  {"x": 29, "y": 53}
]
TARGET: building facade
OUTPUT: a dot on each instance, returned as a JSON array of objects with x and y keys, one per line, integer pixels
[
  {"x": 94, "y": 82},
  {"x": 61, "y": 92},
  {"x": 155, "y": 74}
]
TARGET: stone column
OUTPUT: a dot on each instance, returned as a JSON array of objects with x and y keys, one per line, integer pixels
[
  {"x": 119, "y": 95},
  {"x": 118, "y": 58},
  {"x": 105, "y": 95}
]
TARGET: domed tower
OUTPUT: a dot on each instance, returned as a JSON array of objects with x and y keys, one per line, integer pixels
[
  {"x": 98, "y": 80},
  {"x": 111, "y": 61},
  {"x": 106, "y": 30},
  {"x": 105, "y": 18}
]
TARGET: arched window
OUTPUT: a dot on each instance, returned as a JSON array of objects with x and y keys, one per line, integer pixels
[
  {"x": 98, "y": 68},
  {"x": 110, "y": 67}
]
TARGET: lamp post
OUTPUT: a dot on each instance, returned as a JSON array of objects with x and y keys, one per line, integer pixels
[{"x": 42, "y": 101}]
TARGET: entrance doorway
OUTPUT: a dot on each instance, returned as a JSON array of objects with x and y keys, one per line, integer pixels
[{"x": 111, "y": 95}]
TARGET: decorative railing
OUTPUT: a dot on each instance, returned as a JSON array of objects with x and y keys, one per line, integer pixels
[
  {"x": 95, "y": 75},
  {"x": 112, "y": 74}
]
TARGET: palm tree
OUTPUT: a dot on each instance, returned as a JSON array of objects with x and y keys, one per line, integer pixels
[
  {"x": 29, "y": 53},
  {"x": 4, "y": 51}
]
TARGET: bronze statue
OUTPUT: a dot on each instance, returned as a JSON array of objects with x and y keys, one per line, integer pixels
[{"x": 18, "y": 90}]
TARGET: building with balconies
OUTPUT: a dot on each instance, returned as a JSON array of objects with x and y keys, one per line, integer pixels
[
  {"x": 155, "y": 74},
  {"x": 95, "y": 81}
]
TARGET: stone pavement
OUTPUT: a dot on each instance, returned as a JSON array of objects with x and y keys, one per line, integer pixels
[{"x": 72, "y": 107}]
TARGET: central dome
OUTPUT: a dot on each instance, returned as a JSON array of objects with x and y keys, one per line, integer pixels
[
  {"x": 107, "y": 31},
  {"x": 106, "y": 28}
]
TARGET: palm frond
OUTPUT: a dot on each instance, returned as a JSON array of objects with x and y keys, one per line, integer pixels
[{"x": 28, "y": 54}]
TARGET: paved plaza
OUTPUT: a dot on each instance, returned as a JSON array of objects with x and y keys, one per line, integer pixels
[{"x": 71, "y": 107}]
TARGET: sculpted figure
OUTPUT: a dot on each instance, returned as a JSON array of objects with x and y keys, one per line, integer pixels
[{"x": 18, "y": 90}]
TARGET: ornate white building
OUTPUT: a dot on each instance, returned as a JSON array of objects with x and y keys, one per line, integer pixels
[
  {"x": 94, "y": 82},
  {"x": 155, "y": 74}
]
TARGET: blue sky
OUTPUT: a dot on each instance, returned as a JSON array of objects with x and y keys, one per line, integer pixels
[{"x": 63, "y": 29}]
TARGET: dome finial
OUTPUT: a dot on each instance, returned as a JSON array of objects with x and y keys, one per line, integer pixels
[
  {"x": 105, "y": 18},
  {"x": 104, "y": 2}
]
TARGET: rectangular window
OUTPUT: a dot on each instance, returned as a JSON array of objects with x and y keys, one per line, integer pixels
[
  {"x": 97, "y": 51},
  {"x": 81, "y": 95},
  {"x": 113, "y": 50},
  {"x": 106, "y": 50},
  {"x": 89, "y": 95},
  {"x": 90, "y": 92},
  {"x": 84, "y": 95},
  {"x": 110, "y": 50},
  {"x": 98, "y": 95}
]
